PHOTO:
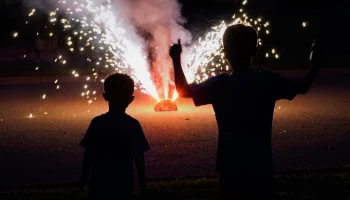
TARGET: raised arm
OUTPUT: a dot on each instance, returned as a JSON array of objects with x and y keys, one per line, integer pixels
[
  {"x": 315, "y": 61},
  {"x": 202, "y": 93},
  {"x": 181, "y": 83},
  {"x": 287, "y": 88}
]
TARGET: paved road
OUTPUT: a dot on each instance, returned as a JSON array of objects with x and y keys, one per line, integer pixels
[{"x": 313, "y": 130}]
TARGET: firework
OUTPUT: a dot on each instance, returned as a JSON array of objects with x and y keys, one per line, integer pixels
[
  {"x": 97, "y": 29},
  {"x": 206, "y": 57},
  {"x": 165, "y": 105},
  {"x": 102, "y": 32}
]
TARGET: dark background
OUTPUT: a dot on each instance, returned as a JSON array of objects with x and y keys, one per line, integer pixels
[{"x": 330, "y": 18}]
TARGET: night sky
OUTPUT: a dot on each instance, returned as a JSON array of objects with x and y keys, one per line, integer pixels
[
  {"x": 286, "y": 17},
  {"x": 331, "y": 17}
]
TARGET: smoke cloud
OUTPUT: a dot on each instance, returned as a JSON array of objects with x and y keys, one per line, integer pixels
[
  {"x": 160, "y": 23},
  {"x": 152, "y": 25}
]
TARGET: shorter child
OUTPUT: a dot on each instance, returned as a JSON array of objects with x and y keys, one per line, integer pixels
[{"x": 112, "y": 143}]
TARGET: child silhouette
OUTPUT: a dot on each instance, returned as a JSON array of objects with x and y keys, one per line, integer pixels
[
  {"x": 244, "y": 103},
  {"x": 112, "y": 143}
]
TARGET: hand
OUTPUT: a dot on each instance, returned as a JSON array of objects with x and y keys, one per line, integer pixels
[
  {"x": 176, "y": 50},
  {"x": 315, "y": 54}
]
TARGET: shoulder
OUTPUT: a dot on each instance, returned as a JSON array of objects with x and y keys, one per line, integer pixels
[
  {"x": 218, "y": 78},
  {"x": 131, "y": 120},
  {"x": 212, "y": 81},
  {"x": 98, "y": 118},
  {"x": 133, "y": 125}
]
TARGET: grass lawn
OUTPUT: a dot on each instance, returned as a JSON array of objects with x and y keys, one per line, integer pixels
[{"x": 325, "y": 184}]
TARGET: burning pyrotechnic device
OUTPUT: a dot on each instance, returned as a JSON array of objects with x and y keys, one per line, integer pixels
[
  {"x": 104, "y": 36},
  {"x": 165, "y": 105}
]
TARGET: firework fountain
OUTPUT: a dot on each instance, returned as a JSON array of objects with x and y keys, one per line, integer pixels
[{"x": 134, "y": 37}]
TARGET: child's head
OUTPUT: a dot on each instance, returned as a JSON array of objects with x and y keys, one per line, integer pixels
[
  {"x": 119, "y": 90},
  {"x": 240, "y": 42}
]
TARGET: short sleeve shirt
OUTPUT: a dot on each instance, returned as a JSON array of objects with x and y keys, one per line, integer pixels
[
  {"x": 114, "y": 139},
  {"x": 243, "y": 103}
]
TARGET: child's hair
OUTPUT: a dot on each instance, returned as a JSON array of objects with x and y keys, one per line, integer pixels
[
  {"x": 119, "y": 85},
  {"x": 240, "y": 37}
]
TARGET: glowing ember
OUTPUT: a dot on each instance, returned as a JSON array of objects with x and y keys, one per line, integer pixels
[
  {"x": 165, "y": 105},
  {"x": 15, "y": 34},
  {"x": 304, "y": 24}
]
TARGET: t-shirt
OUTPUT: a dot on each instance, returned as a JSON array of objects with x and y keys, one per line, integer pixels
[
  {"x": 244, "y": 103},
  {"x": 114, "y": 139}
]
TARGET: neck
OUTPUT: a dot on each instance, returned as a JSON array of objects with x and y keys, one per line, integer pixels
[{"x": 116, "y": 108}]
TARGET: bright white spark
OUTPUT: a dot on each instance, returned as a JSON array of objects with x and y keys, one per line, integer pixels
[{"x": 98, "y": 28}]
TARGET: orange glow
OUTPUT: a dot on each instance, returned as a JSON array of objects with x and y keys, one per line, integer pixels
[
  {"x": 175, "y": 96},
  {"x": 166, "y": 92},
  {"x": 165, "y": 105}
]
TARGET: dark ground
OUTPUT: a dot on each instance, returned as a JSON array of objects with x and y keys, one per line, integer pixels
[
  {"x": 311, "y": 131},
  {"x": 310, "y": 185}
]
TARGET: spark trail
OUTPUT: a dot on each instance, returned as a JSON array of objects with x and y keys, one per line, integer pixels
[{"x": 112, "y": 43}]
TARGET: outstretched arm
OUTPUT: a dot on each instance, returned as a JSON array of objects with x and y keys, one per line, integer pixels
[
  {"x": 309, "y": 80},
  {"x": 286, "y": 88},
  {"x": 181, "y": 83}
]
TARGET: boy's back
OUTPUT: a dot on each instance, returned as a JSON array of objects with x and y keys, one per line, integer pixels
[
  {"x": 113, "y": 139},
  {"x": 243, "y": 104}
]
